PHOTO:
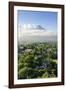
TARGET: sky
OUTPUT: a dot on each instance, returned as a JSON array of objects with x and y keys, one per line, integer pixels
[{"x": 46, "y": 19}]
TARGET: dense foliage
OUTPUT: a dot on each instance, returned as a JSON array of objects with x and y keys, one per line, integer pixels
[{"x": 37, "y": 60}]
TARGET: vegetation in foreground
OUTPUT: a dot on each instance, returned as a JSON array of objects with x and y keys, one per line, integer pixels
[{"x": 37, "y": 60}]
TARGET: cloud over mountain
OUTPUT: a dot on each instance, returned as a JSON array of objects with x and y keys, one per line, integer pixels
[
  {"x": 31, "y": 27},
  {"x": 28, "y": 32}
]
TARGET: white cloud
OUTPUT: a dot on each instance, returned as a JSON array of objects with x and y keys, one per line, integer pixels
[
  {"x": 34, "y": 25},
  {"x": 24, "y": 26}
]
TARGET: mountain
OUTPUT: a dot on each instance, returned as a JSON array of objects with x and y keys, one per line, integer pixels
[{"x": 40, "y": 27}]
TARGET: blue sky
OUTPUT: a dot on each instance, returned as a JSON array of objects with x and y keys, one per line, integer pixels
[{"x": 48, "y": 20}]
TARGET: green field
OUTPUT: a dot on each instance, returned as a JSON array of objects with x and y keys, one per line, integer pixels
[{"x": 37, "y": 60}]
